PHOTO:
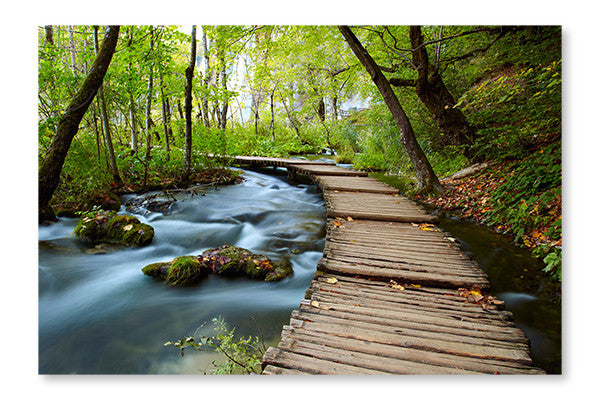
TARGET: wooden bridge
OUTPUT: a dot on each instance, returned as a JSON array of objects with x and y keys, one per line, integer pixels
[{"x": 393, "y": 294}]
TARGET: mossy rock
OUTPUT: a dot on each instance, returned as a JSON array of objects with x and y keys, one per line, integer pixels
[
  {"x": 225, "y": 261},
  {"x": 182, "y": 271},
  {"x": 237, "y": 261},
  {"x": 109, "y": 227}
]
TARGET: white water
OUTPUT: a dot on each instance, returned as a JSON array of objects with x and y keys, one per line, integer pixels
[{"x": 99, "y": 314}]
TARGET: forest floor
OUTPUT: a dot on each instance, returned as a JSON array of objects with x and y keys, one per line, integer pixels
[{"x": 471, "y": 198}]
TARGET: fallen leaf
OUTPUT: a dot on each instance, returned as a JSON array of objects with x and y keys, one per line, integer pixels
[
  {"x": 332, "y": 280},
  {"x": 128, "y": 227},
  {"x": 396, "y": 285},
  {"x": 337, "y": 223},
  {"x": 350, "y": 219},
  {"x": 314, "y": 303}
]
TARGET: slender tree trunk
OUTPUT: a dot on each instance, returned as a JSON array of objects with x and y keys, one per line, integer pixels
[
  {"x": 225, "y": 104},
  {"x": 427, "y": 181},
  {"x": 51, "y": 166},
  {"x": 189, "y": 75},
  {"x": 207, "y": 76},
  {"x": 49, "y": 35},
  {"x": 335, "y": 108},
  {"x": 134, "y": 127},
  {"x": 292, "y": 121},
  {"x": 149, "y": 122},
  {"x": 106, "y": 126},
  {"x": 436, "y": 97},
  {"x": 166, "y": 118},
  {"x": 72, "y": 49},
  {"x": 272, "y": 125}
]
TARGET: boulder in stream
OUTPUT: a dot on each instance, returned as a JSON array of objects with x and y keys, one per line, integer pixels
[
  {"x": 109, "y": 227},
  {"x": 225, "y": 261}
]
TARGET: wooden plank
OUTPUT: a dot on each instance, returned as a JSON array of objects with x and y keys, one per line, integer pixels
[
  {"x": 489, "y": 316},
  {"x": 374, "y": 206},
  {"x": 399, "y": 297},
  {"x": 440, "y": 346},
  {"x": 451, "y": 260},
  {"x": 415, "y": 322},
  {"x": 309, "y": 169},
  {"x": 364, "y": 360},
  {"x": 354, "y": 184},
  {"x": 273, "y": 370},
  {"x": 309, "y": 364},
  {"x": 400, "y": 275},
  {"x": 414, "y": 315},
  {"x": 413, "y": 332},
  {"x": 417, "y": 355}
]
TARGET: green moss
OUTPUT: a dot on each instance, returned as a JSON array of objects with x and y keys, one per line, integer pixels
[
  {"x": 108, "y": 227},
  {"x": 155, "y": 270},
  {"x": 185, "y": 271},
  {"x": 237, "y": 261}
]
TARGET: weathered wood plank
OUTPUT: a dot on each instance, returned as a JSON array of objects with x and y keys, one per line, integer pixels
[
  {"x": 400, "y": 275},
  {"x": 440, "y": 346},
  {"x": 312, "y": 365},
  {"x": 354, "y": 184},
  {"x": 309, "y": 169},
  {"x": 364, "y": 360},
  {"x": 464, "y": 337},
  {"x": 422, "y": 356}
]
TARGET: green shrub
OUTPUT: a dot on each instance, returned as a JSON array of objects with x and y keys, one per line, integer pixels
[{"x": 243, "y": 355}]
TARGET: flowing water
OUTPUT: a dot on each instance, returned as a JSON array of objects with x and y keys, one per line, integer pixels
[{"x": 98, "y": 314}]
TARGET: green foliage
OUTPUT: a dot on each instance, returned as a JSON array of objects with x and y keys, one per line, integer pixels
[
  {"x": 243, "y": 355},
  {"x": 516, "y": 110},
  {"x": 552, "y": 257}
]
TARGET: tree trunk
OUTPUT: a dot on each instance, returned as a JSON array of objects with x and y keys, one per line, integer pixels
[
  {"x": 49, "y": 35},
  {"x": 106, "y": 125},
  {"x": 189, "y": 75},
  {"x": 207, "y": 72},
  {"x": 149, "y": 122},
  {"x": 134, "y": 127},
  {"x": 166, "y": 118},
  {"x": 293, "y": 121},
  {"x": 51, "y": 166},
  {"x": 225, "y": 104},
  {"x": 272, "y": 126},
  {"x": 427, "y": 181},
  {"x": 436, "y": 97}
]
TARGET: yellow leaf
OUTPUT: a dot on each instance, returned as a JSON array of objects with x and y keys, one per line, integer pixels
[
  {"x": 256, "y": 262},
  {"x": 332, "y": 280},
  {"x": 337, "y": 223},
  {"x": 396, "y": 285},
  {"x": 314, "y": 303},
  {"x": 416, "y": 286},
  {"x": 350, "y": 219},
  {"x": 128, "y": 227}
]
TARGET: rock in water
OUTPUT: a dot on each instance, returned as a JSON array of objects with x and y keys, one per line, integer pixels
[
  {"x": 237, "y": 261},
  {"x": 225, "y": 261},
  {"x": 109, "y": 227},
  {"x": 182, "y": 271}
]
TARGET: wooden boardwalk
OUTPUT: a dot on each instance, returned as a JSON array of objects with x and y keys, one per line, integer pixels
[{"x": 392, "y": 294}]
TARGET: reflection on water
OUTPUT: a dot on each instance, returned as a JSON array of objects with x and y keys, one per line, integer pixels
[
  {"x": 99, "y": 314},
  {"x": 518, "y": 280}
]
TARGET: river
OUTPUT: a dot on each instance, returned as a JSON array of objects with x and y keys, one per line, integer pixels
[{"x": 98, "y": 314}]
